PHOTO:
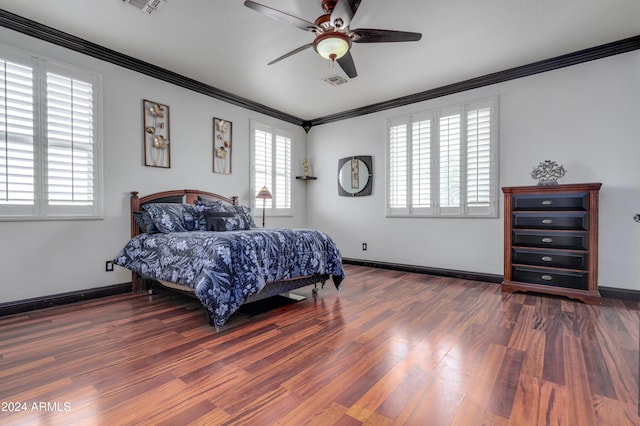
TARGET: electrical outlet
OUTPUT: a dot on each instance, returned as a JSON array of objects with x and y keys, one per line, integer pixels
[
  {"x": 364, "y": 246},
  {"x": 108, "y": 266}
]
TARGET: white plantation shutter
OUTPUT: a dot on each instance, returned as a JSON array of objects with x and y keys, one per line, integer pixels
[
  {"x": 69, "y": 141},
  {"x": 262, "y": 164},
  {"x": 272, "y": 153},
  {"x": 17, "y": 156},
  {"x": 444, "y": 167},
  {"x": 50, "y": 149},
  {"x": 479, "y": 160},
  {"x": 282, "y": 169},
  {"x": 398, "y": 168},
  {"x": 450, "y": 164},
  {"x": 409, "y": 166},
  {"x": 421, "y": 164}
]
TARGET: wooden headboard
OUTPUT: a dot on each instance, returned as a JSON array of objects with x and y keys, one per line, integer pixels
[{"x": 188, "y": 196}]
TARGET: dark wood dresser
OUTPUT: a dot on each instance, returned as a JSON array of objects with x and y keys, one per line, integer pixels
[{"x": 551, "y": 240}]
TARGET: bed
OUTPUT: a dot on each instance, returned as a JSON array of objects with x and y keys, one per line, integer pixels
[{"x": 208, "y": 246}]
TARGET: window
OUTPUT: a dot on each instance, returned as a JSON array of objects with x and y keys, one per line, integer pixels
[
  {"x": 272, "y": 167},
  {"x": 50, "y": 148},
  {"x": 443, "y": 162}
]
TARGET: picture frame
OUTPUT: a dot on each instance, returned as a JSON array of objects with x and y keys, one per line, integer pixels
[
  {"x": 222, "y": 145},
  {"x": 355, "y": 176},
  {"x": 156, "y": 134}
]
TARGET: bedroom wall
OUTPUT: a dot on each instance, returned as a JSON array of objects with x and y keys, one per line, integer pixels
[
  {"x": 40, "y": 258},
  {"x": 584, "y": 117}
]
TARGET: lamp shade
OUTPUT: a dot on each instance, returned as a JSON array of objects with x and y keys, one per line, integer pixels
[
  {"x": 332, "y": 45},
  {"x": 264, "y": 194}
]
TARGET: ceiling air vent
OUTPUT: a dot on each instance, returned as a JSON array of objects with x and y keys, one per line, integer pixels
[
  {"x": 336, "y": 80},
  {"x": 147, "y": 6}
]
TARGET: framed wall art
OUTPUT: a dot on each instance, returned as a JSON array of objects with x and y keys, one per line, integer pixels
[
  {"x": 156, "y": 136},
  {"x": 355, "y": 176},
  {"x": 222, "y": 146}
]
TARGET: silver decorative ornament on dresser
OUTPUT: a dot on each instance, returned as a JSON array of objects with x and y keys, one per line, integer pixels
[{"x": 548, "y": 172}]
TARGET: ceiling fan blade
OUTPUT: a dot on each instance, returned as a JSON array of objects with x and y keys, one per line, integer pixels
[
  {"x": 344, "y": 11},
  {"x": 280, "y": 16},
  {"x": 348, "y": 66},
  {"x": 368, "y": 35},
  {"x": 293, "y": 52}
]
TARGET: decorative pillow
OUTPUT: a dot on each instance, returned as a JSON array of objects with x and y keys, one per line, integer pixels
[
  {"x": 245, "y": 213},
  {"x": 145, "y": 223},
  {"x": 222, "y": 223},
  {"x": 208, "y": 217},
  {"x": 172, "y": 217},
  {"x": 242, "y": 212}
]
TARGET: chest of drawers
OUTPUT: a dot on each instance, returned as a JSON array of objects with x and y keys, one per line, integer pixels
[{"x": 551, "y": 240}]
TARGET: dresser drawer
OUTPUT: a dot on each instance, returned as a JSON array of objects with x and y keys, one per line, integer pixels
[
  {"x": 578, "y": 221},
  {"x": 573, "y": 201},
  {"x": 568, "y": 260},
  {"x": 566, "y": 279},
  {"x": 551, "y": 239}
]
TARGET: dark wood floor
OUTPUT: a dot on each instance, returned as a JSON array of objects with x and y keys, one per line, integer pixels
[{"x": 393, "y": 348}]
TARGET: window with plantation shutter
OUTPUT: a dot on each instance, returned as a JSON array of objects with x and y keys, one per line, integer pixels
[
  {"x": 444, "y": 162},
  {"x": 450, "y": 163},
  {"x": 397, "y": 166},
  {"x": 421, "y": 165},
  {"x": 49, "y": 139},
  {"x": 17, "y": 156},
  {"x": 271, "y": 160},
  {"x": 479, "y": 159}
]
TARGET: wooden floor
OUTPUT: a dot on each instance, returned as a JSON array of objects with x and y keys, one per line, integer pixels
[{"x": 392, "y": 348}]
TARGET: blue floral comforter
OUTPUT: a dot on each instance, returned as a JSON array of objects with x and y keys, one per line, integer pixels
[{"x": 225, "y": 267}]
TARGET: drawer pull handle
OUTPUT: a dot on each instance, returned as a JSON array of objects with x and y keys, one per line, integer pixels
[
  {"x": 547, "y": 221},
  {"x": 547, "y": 202},
  {"x": 547, "y": 258},
  {"x": 547, "y": 277},
  {"x": 547, "y": 240}
]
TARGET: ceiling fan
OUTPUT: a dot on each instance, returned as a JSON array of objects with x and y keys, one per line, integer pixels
[{"x": 333, "y": 37}]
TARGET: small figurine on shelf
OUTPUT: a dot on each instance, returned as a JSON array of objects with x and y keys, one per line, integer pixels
[{"x": 306, "y": 167}]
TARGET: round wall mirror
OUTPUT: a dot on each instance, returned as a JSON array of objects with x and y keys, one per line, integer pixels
[{"x": 354, "y": 176}]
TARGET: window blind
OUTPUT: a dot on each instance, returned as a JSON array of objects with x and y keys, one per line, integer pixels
[
  {"x": 50, "y": 147},
  {"x": 282, "y": 168},
  {"x": 443, "y": 162},
  {"x": 479, "y": 157},
  {"x": 272, "y": 154},
  {"x": 421, "y": 164},
  {"x": 398, "y": 172},
  {"x": 262, "y": 163},
  {"x": 70, "y": 140},
  {"x": 450, "y": 162},
  {"x": 17, "y": 173}
]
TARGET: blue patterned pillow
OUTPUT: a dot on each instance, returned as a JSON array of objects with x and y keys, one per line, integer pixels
[
  {"x": 221, "y": 224},
  {"x": 145, "y": 223},
  {"x": 173, "y": 217},
  {"x": 209, "y": 216},
  {"x": 243, "y": 213}
]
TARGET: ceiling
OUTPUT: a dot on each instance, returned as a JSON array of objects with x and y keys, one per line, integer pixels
[{"x": 227, "y": 45}]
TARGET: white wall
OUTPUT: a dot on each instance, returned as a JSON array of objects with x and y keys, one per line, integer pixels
[
  {"x": 584, "y": 117},
  {"x": 39, "y": 258}
]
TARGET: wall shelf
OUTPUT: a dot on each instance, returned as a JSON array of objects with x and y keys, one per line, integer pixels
[{"x": 306, "y": 177}]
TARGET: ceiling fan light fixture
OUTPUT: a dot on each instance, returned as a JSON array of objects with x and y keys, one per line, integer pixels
[{"x": 332, "y": 45}]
